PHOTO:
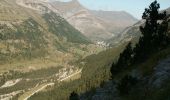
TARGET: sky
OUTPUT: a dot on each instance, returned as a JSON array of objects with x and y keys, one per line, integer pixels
[{"x": 134, "y": 7}]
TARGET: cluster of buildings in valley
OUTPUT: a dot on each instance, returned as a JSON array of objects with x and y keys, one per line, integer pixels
[{"x": 102, "y": 44}]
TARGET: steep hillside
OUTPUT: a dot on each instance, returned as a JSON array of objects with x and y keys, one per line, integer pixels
[
  {"x": 115, "y": 21},
  {"x": 62, "y": 29},
  {"x": 131, "y": 33}
]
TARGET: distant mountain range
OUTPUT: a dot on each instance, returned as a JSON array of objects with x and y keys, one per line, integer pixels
[{"x": 96, "y": 25}]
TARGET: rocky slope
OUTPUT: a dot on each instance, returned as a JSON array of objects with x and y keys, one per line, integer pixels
[
  {"x": 115, "y": 20},
  {"x": 157, "y": 81}
]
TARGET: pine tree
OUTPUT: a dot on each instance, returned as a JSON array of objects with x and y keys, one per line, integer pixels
[
  {"x": 154, "y": 32},
  {"x": 125, "y": 60}
]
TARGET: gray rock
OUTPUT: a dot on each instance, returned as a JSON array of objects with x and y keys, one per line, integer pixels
[{"x": 161, "y": 73}]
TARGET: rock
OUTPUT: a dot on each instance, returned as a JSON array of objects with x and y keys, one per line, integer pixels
[
  {"x": 161, "y": 73},
  {"x": 108, "y": 92}
]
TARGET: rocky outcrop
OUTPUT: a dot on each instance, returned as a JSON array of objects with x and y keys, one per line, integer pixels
[
  {"x": 107, "y": 92},
  {"x": 161, "y": 73}
]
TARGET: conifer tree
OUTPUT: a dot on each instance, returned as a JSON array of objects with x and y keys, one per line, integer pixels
[
  {"x": 154, "y": 32},
  {"x": 125, "y": 60}
]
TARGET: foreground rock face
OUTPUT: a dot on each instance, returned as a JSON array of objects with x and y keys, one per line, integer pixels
[
  {"x": 161, "y": 73},
  {"x": 107, "y": 92},
  {"x": 155, "y": 82}
]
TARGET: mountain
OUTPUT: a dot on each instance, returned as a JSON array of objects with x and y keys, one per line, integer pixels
[
  {"x": 96, "y": 25},
  {"x": 131, "y": 33},
  {"x": 118, "y": 20}
]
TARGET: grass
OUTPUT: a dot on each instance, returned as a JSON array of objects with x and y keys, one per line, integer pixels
[{"x": 28, "y": 65}]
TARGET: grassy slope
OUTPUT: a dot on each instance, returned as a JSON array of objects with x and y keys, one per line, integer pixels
[{"x": 61, "y": 28}]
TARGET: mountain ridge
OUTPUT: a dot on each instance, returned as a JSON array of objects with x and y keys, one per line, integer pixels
[
  {"x": 84, "y": 20},
  {"x": 89, "y": 23}
]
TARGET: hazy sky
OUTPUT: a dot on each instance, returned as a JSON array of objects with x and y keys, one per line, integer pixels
[{"x": 134, "y": 7}]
